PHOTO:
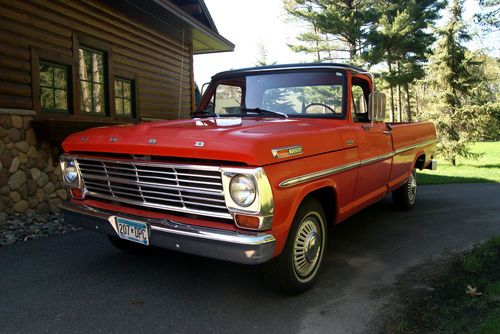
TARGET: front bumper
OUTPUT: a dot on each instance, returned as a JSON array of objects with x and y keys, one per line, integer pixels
[{"x": 240, "y": 247}]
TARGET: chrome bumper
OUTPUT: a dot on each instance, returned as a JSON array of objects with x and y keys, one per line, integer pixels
[{"x": 246, "y": 248}]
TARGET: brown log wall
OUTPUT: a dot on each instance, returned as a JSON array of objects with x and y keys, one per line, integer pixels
[{"x": 52, "y": 30}]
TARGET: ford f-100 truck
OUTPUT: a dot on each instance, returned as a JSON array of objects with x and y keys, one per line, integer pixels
[{"x": 271, "y": 158}]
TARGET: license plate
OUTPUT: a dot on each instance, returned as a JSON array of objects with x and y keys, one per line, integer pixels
[{"x": 132, "y": 230}]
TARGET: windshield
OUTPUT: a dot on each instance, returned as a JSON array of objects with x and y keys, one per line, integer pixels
[{"x": 296, "y": 94}]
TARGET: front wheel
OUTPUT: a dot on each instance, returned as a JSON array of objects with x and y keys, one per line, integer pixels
[
  {"x": 296, "y": 268},
  {"x": 404, "y": 197}
]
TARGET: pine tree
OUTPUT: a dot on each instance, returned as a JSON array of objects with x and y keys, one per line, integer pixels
[
  {"x": 454, "y": 76},
  {"x": 490, "y": 17},
  {"x": 262, "y": 55},
  {"x": 402, "y": 39},
  {"x": 336, "y": 25}
]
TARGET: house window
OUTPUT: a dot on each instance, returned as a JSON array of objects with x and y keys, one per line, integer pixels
[
  {"x": 92, "y": 81},
  {"x": 54, "y": 87},
  {"x": 124, "y": 97}
]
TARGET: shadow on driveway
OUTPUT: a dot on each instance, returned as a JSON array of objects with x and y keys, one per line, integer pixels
[{"x": 79, "y": 283}]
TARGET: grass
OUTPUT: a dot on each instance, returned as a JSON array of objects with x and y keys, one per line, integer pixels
[
  {"x": 452, "y": 307},
  {"x": 485, "y": 169}
]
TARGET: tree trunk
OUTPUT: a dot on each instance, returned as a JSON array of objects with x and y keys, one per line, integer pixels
[
  {"x": 417, "y": 105},
  {"x": 408, "y": 104},
  {"x": 400, "y": 107},
  {"x": 400, "y": 113},
  {"x": 389, "y": 64},
  {"x": 318, "y": 54},
  {"x": 352, "y": 50}
]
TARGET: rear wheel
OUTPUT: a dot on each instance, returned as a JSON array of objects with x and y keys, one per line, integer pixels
[
  {"x": 128, "y": 246},
  {"x": 296, "y": 268},
  {"x": 404, "y": 197}
]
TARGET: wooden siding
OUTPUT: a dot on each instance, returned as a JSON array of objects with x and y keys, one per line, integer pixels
[{"x": 52, "y": 30}]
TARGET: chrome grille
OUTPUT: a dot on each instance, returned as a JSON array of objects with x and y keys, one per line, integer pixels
[{"x": 182, "y": 188}]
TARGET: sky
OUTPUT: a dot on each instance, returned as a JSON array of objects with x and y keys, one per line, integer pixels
[{"x": 250, "y": 23}]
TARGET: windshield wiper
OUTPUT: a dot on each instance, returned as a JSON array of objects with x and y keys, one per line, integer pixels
[
  {"x": 202, "y": 113},
  {"x": 264, "y": 111}
]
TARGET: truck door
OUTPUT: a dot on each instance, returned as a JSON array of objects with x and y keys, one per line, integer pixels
[{"x": 375, "y": 151}]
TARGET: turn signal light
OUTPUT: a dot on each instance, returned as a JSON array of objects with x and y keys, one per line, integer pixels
[
  {"x": 77, "y": 193},
  {"x": 250, "y": 222}
]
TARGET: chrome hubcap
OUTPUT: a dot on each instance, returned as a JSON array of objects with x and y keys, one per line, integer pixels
[
  {"x": 412, "y": 189},
  {"x": 307, "y": 246}
]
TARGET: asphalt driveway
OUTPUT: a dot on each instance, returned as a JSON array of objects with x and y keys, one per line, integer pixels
[{"x": 79, "y": 283}]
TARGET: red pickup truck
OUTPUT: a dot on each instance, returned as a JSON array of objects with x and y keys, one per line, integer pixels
[{"x": 271, "y": 157}]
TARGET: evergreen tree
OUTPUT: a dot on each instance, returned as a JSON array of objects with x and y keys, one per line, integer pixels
[
  {"x": 455, "y": 77},
  {"x": 262, "y": 55},
  {"x": 490, "y": 17},
  {"x": 402, "y": 39},
  {"x": 344, "y": 21}
]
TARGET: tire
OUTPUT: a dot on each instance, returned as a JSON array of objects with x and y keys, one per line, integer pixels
[
  {"x": 293, "y": 272},
  {"x": 128, "y": 247},
  {"x": 404, "y": 197}
]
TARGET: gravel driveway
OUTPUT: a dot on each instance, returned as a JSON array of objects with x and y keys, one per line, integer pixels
[{"x": 78, "y": 282}]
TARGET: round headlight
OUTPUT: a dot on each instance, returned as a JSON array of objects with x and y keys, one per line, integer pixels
[
  {"x": 70, "y": 173},
  {"x": 242, "y": 190}
]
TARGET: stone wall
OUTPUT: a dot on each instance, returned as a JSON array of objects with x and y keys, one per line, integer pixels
[{"x": 30, "y": 175}]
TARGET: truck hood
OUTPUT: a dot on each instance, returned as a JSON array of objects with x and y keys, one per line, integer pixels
[{"x": 243, "y": 140}]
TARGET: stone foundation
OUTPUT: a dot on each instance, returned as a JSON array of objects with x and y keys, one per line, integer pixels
[{"x": 30, "y": 175}]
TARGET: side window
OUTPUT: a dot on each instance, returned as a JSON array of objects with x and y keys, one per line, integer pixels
[
  {"x": 124, "y": 97},
  {"x": 92, "y": 81},
  {"x": 54, "y": 79},
  {"x": 228, "y": 99},
  {"x": 359, "y": 105}
]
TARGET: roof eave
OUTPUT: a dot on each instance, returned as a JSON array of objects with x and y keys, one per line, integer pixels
[{"x": 167, "y": 18}]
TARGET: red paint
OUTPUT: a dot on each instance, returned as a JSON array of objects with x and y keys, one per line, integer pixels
[{"x": 326, "y": 143}]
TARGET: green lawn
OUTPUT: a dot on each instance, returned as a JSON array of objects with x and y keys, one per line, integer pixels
[{"x": 485, "y": 169}]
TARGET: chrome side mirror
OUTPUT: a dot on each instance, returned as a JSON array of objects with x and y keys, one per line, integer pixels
[
  {"x": 204, "y": 87},
  {"x": 376, "y": 107},
  {"x": 362, "y": 108}
]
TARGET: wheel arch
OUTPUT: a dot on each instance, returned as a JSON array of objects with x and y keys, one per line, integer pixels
[
  {"x": 327, "y": 198},
  {"x": 323, "y": 190},
  {"x": 420, "y": 161}
]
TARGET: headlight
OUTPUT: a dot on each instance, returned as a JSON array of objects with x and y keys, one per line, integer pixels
[
  {"x": 70, "y": 174},
  {"x": 242, "y": 190}
]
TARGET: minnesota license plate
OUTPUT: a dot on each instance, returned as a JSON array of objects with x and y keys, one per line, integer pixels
[{"x": 132, "y": 230}]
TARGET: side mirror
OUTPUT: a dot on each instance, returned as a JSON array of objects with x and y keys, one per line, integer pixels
[
  {"x": 376, "y": 107},
  {"x": 204, "y": 87},
  {"x": 361, "y": 107}
]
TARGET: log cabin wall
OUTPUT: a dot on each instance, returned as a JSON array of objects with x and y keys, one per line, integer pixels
[
  {"x": 35, "y": 33},
  {"x": 53, "y": 31}
]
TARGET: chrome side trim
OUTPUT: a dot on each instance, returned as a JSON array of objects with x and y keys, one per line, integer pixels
[
  {"x": 411, "y": 147},
  {"x": 319, "y": 174},
  {"x": 316, "y": 175},
  {"x": 376, "y": 159}
]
